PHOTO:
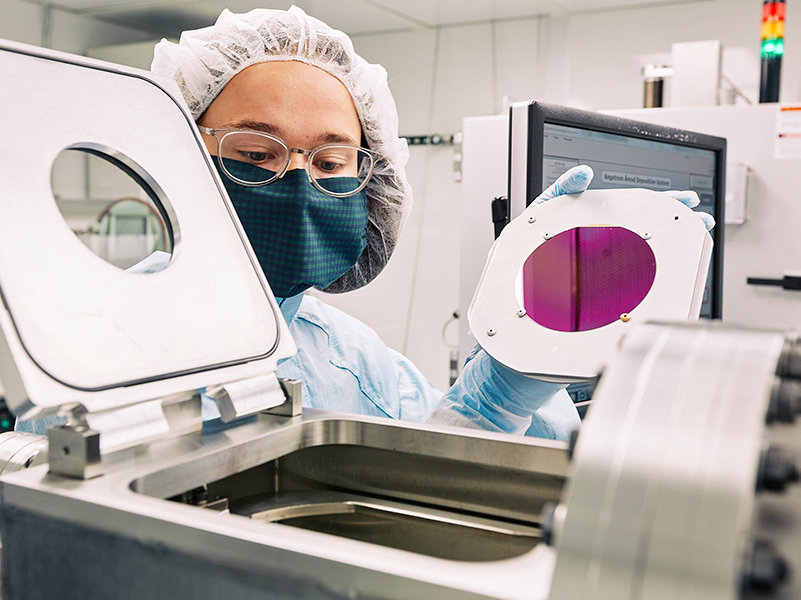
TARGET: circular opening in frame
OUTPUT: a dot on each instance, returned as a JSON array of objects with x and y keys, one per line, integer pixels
[
  {"x": 586, "y": 277},
  {"x": 114, "y": 207}
]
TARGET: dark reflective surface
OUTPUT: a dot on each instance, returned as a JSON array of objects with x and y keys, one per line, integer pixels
[{"x": 587, "y": 277}]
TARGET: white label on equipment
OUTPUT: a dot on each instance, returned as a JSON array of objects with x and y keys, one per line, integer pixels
[
  {"x": 635, "y": 179},
  {"x": 788, "y": 133}
]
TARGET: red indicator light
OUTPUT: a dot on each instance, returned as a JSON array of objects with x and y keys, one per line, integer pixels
[{"x": 773, "y": 11}]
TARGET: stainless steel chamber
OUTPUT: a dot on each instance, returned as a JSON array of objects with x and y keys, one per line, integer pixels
[
  {"x": 318, "y": 506},
  {"x": 681, "y": 484}
]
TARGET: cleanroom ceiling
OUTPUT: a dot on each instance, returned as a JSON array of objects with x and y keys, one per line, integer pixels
[{"x": 355, "y": 17}]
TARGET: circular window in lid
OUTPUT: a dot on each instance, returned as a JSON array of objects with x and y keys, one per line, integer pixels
[
  {"x": 114, "y": 207},
  {"x": 586, "y": 277}
]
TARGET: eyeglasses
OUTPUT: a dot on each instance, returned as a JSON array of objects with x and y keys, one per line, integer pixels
[{"x": 338, "y": 170}]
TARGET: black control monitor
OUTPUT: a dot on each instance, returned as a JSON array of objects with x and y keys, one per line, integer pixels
[{"x": 545, "y": 140}]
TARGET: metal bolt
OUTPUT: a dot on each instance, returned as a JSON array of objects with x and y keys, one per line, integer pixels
[
  {"x": 547, "y": 519},
  {"x": 785, "y": 401},
  {"x": 532, "y": 219},
  {"x": 790, "y": 360},
  {"x": 571, "y": 447},
  {"x": 764, "y": 568},
  {"x": 625, "y": 317},
  {"x": 646, "y": 236},
  {"x": 777, "y": 469},
  {"x": 547, "y": 236},
  {"x": 521, "y": 312},
  {"x": 491, "y": 331}
]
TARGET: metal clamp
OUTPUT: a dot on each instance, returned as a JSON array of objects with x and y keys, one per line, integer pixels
[
  {"x": 292, "y": 405},
  {"x": 74, "y": 452}
]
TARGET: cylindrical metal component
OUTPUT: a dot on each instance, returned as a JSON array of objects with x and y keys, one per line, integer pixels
[
  {"x": 20, "y": 450},
  {"x": 654, "y": 92},
  {"x": 659, "y": 509}
]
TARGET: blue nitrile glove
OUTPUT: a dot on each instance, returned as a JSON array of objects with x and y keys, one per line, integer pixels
[
  {"x": 572, "y": 181},
  {"x": 489, "y": 396},
  {"x": 690, "y": 199}
]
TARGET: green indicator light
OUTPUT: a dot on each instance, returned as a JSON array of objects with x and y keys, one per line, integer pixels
[
  {"x": 5, "y": 423},
  {"x": 772, "y": 48}
]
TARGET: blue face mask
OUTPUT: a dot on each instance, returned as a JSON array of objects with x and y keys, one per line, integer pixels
[{"x": 302, "y": 237}]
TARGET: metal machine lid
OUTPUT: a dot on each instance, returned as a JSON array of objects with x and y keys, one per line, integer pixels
[{"x": 76, "y": 329}]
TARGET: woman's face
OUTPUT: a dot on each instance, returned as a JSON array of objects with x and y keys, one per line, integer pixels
[{"x": 299, "y": 103}]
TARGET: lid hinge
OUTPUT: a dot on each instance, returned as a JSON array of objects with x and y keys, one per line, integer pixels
[
  {"x": 75, "y": 449},
  {"x": 259, "y": 394},
  {"x": 292, "y": 406}
]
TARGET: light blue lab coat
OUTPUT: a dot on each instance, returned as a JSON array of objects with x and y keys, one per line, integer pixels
[{"x": 345, "y": 367}]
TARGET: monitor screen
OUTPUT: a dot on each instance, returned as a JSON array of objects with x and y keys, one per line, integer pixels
[{"x": 622, "y": 153}]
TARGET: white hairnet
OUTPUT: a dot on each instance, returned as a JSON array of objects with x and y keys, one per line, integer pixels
[{"x": 205, "y": 60}]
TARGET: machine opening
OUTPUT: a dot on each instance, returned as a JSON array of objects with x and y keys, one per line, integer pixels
[
  {"x": 586, "y": 277},
  {"x": 114, "y": 207},
  {"x": 414, "y": 501}
]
